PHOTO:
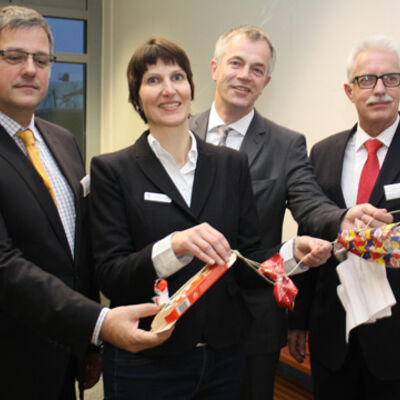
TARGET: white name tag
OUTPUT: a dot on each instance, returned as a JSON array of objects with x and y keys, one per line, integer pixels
[
  {"x": 158, "y": 197},
  {"x": 85, "y": 183},
  {"x": 392, "y": 191}
]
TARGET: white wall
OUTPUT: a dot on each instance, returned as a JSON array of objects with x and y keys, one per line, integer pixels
[{"x": 312, "y": 37}]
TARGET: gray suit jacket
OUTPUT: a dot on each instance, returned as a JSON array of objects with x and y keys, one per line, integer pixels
[{"x": 282, "y": 177}]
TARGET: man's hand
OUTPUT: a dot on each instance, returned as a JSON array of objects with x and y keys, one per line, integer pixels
[
  {"x": 368, "y": 215},
  {"x": 311, "y": 251},
  {"x": 120, "y": 328},
  {"x": 297, "y": 344},
  {"x": 204, "y": 242}
]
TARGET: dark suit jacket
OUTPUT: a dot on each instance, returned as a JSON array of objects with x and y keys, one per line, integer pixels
[
  {"x": 125, "y": 227},
  {"x": 41, "y": 320},
  {"x": 318, "y": 308},
  {"x": 282, "y": 178}
]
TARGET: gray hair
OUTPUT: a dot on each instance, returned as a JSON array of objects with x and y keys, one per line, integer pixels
[
  {"x": 252, "y": 33},
  {"x": 376, "y": 42},
  {"x": 14, "y": 17}
]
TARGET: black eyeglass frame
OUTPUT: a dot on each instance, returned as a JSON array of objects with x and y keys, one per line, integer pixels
[
  {"x": 377, "y": 77},
  {"x": 50, "y": 57}
]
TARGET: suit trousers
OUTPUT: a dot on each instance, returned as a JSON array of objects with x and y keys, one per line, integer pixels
[
  {"x": 68, "y": 390},
  {"x": 259, "y": 376},
  {"x": 353, "y": 381},
  {"x": 203, "y": 373}
]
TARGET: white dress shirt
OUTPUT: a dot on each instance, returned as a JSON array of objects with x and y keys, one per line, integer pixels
[
  {"x": 236, "y": 134},
  {"x": 355, "y": 157}
]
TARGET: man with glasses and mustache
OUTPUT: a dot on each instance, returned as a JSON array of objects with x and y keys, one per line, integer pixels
[
  {"x": 46, "y": 322},
  {"x": 354, "y": 167}
]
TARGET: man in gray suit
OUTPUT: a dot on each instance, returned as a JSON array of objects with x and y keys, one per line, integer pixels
[{"x": 281, "y": 176}]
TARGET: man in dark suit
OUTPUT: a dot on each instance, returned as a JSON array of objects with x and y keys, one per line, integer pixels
[
  {"x": 281, "y": 177},
  {"x": 46, "y": 326},
  {"x": 349, "y": 172}
]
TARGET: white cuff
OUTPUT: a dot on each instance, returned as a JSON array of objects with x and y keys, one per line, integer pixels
[
  {"x": 287, "y": 252},
  {"x": 96, "y": 340},
  {"x": 165, "y": 262}
]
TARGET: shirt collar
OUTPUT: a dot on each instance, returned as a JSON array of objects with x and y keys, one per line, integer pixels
[
  {"x": 385, "y": 136},
  {"x": 241, "y": 125},
  {"x": 159, "y": 151},
  {"x": 12, "y": 127}
]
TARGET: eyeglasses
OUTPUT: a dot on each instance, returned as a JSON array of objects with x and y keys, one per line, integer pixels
[
  {"x": 369, "y": 81},
  {"x": 15, "y": 57}
]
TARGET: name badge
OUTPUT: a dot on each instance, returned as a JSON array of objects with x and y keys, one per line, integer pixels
[
  {"x": 85, "y": 183},
  {"x": 157, "y": 197},
  {"x": 392, "y": 191}
]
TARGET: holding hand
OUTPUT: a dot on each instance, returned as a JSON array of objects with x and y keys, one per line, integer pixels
[
  {"x": 368, "y": 215},
  {"x": 204, "y": 242},
  {"x": 120, "y": 328},
  {"x": 311, "y": 251}
]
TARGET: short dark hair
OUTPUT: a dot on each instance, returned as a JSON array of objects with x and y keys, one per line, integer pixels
[
  {"x": 15, "y": 17},
  {"x": 148, "y": 54}
]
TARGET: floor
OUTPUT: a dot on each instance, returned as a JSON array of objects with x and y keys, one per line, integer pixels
[{"x": 285, "y": 389}]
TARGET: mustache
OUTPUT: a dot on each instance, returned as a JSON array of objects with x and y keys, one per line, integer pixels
[
  {"x": 29, "y": 83},
  {"x": 379, "y": 99}
]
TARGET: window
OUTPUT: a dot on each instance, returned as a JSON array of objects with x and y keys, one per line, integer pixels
[{"x": 65, "y": 103}]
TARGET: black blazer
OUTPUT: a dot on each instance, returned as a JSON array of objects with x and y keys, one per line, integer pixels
[
  {"x": 41, "y": 320},
  {"x": 125, "y": 227},
  {"x": 318, "y": 308},
  {"x": 282, "y": 178}
]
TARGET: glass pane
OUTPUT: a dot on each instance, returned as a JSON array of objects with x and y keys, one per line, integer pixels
[
  {"x": 69, "y": 35},
  {"x": 65, "y": 103}
]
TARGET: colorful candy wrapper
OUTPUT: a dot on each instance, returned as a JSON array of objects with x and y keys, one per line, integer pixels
[
  {"x": 381, "y": 245},
  {"x": 161, "y": 291},
  {"x": 285, "y": 291}
]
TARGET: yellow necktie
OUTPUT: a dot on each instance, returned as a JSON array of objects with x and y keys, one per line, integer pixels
[{"x": 33, "y": 154}]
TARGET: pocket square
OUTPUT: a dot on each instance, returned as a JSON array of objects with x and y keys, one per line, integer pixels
[{"x": 85, "y": 183}]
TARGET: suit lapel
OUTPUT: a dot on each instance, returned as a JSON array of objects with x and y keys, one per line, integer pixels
[
  {"x": 256, "y": 137},
  {"x": 62, "y": 158},
  {"x": 199, "y": 124},
  {"x": 389, "y": 172},
  {"x": 335, "y": 166},
  {"x": 10, "y": 151},
  {"x": 204, "y": 178}
]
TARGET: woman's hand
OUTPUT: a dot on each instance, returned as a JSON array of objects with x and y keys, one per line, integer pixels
[{"x": 204, "y": 242}]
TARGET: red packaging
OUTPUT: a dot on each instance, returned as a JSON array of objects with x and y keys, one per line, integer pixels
[
  {"x": 285, "y": 291},
  {"x": 188, "y": 294}
]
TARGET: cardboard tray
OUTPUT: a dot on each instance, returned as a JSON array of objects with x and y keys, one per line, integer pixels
[{"x": 188, "y": 294}]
